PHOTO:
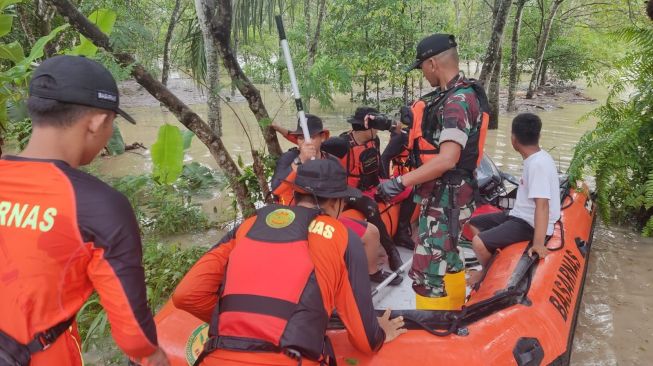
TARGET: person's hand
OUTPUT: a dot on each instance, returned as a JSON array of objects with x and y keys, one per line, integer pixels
[
  {"x": 540, "y": 249},
  {"x": 307, "y": 151},
  {"x": 391, "y": 327},
  {"x": 367, "y": 119},
  {"x": 389, "y": 189},
  {"x": 281, "y": 130},
  {"x": 158, "y": 358},
  {"x": 379, "y": 122}
]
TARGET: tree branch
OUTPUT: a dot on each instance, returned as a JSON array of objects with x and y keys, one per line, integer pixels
[
  {"x": 184, "y": 114},
  {"x": 220, "y": 13}
]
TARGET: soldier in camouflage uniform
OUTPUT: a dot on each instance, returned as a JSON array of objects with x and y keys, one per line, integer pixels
[{"x": 444, "y": 148}]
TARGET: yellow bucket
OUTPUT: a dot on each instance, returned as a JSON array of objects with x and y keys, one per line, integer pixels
[{"x": 455, "y": 285}]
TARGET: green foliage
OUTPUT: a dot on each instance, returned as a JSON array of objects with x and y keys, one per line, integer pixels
[
  {"x": 14, "y": 80},
  {"x": 92, "y": 322},
  {"x": 165, "y": 265},
  {"x": 199, "y": 178},
  {"x": 188, "y": 138},
  {"x": 104, "y": 19},
  {"x": 619, "y": 151},
  {"x": 20, "y": 132},
  {"x": 12, "y": 52},
  {"x": 164, "y": 210},
  {"x": 116, "y": 144},
  {"x": 171, "y": 212},
  {"x": 168, "y": 154},
  {"x": 248, "y": 176}
]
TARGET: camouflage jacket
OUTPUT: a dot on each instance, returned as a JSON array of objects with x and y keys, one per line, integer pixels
[{"x": 452, "y": 117}]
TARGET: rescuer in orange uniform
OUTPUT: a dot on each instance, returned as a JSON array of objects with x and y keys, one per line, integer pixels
[
  {"x": 65, "y": 233},
  {"x": 269, "y": 287}
]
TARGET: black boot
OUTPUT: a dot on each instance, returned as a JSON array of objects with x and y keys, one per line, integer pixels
[
  {"x": 381, "y": 275},
  {"x": 403, "y": 237},
  {"x": 394, "y": 259}
]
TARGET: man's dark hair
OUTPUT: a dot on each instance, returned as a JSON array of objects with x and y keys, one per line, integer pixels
[
  {"x": 526, "y": 127},
  {"x": 649, "y": 9},
  {"x": 50, "y": 112}
]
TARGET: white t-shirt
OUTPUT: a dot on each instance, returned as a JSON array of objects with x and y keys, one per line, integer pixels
[{"x": 539, "y": 180}]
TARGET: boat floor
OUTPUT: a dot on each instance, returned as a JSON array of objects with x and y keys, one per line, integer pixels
[{"x": 402, "y": 296}]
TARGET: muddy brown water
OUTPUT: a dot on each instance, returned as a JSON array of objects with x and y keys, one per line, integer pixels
[{"x": 614, "y": 326}]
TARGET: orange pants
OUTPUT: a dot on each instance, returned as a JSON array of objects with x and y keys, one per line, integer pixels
[{"x": 232, "y": 358}]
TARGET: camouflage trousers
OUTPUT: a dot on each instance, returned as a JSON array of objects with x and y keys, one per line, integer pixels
[{"x": 436, "y": 252}]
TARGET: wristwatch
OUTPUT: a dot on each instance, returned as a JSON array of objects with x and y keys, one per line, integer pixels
[
  {"x": 398, "y": 179},
  {"x": 297, "y": 161}
]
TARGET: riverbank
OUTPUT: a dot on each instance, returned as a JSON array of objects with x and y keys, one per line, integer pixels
[{"x": 549, "y": 97}]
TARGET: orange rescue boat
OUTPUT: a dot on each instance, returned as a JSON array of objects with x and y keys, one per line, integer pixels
[{"x": 523, "y": 312}]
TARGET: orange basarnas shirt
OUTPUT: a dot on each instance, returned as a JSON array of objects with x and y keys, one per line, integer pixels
[{"x": 63, "y": 234}]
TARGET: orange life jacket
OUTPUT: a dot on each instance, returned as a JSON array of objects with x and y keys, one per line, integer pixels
[
  {"x": 362, "y": 164},
  {"x": 261, "y": 308},
  {"x": 421, "y": 149},
  {"x": 400, "y": 164}
]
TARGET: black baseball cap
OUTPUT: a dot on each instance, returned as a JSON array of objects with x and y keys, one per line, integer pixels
[
  {"x": 431, "y": 46},
  {"x": 77, "y": 80},
  {"x": 314, "y": 124},
  {"x": 324, "y": 178},
  {"x": 358, "y": 119}
]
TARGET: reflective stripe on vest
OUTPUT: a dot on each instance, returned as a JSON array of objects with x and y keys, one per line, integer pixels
[{"x": 268, "y": 270}]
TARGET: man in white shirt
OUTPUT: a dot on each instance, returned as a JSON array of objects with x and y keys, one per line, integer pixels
[{"x": 537, "y": 207}]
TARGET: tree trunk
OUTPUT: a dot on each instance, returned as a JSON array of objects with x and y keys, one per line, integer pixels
[
  {"x": 541, "y": 48},
  {"x": 307, "y": 22},
  {"x": 404, "y": 52},
  {"x": 184, "y": 114},
  {"x": 25, "y": 23},
  {"x": 543, "y": 71},
  {"x": 280, "y": 70},
  {"x": 217, "y": 22},
  {"x": 412, "y": 87},
  {"x": 502, "y": 9},
  {"x": 221, "y": 31},
  {"x": 514, "y": 57},
  {"x": 365, "y": 89},
  {"x": 174, "y": 18},
  {"x": 378, "y": 98},
  {"x": 236, "y": 43},
  {"x": 405, "y": 94},
  {"x": 214, "y": 114},
  {"x": 312, "y": 44},
  {"x": 45, "y": 15},
  {"x": 493, "y": 95}
]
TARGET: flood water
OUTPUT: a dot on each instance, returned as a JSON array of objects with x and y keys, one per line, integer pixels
[{"x": 614, "y": 326}]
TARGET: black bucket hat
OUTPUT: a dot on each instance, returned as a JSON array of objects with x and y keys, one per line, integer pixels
[
  {"x": 358, "y": 119},
  {"x": 77, "y": 80},
  {"x": 324, "y": 178},
  {"x": 314, "y": 123},
  {"x": 431, "y": 46}
]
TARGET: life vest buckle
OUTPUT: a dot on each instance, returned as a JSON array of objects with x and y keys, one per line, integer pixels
[
  {"x": 293, "y": 354},
  {"x": 45, "y": 341}
]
